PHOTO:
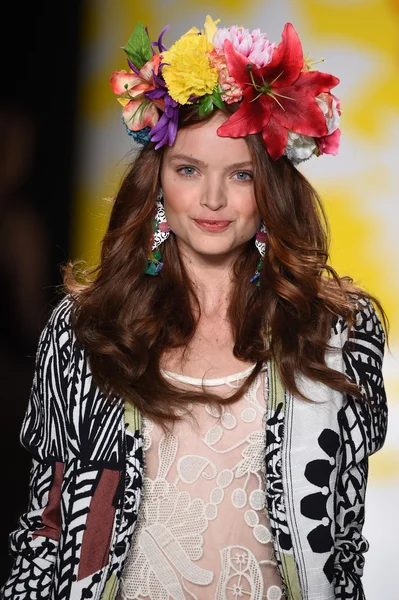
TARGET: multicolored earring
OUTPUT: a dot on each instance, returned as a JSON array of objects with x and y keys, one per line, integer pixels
[
  {"x": 260, "y": 243},
  {"x": 161, "y": 231}
]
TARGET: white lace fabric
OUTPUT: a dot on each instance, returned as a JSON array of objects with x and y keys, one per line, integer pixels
[{"x": 203, "y": 531}]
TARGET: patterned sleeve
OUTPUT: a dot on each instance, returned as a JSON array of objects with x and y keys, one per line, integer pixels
[
  {"x": 33, "y": 544},
  {"x": 363, "y": 425}
]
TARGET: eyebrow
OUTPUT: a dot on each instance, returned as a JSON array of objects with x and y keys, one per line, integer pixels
[{"x": 201, "y": 163}]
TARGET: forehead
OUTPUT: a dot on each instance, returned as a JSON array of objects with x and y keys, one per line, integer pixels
[{"x": 201, "y": 141}]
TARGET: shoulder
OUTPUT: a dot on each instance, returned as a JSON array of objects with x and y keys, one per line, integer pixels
[
  {"x": 366, "y": 334},
  {"x": 57, "y": 337},
  {"x": 61, "y": 313},
  {"x": 363, "y": 352},
  {"x": 60, "y": 321}
]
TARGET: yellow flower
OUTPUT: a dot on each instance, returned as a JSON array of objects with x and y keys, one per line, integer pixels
[
  {"x": 210, "y": 27},
  {"x": 189, "y": 72}
]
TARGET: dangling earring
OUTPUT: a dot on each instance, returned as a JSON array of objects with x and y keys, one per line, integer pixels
[
  {"x": 161, "y": 231},
  {"x": 260, "y": 243}
]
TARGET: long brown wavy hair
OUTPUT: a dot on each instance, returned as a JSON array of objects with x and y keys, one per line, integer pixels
[{"x": 126, "y": 319}]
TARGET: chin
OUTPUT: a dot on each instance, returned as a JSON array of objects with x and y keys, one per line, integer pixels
[
  {"x": 212, "y": 250},
  {"x": 210, "y": 246}
]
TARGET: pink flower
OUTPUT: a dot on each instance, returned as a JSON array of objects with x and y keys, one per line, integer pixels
[
  {"x": 255, "y": 46},
  {"x": 329, "y": 144},
  {"x": 231, "y": 90},
  {"x": 331, "y": 108}
]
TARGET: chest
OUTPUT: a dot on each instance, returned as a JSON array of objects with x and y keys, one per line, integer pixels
[
  {"x": 209, "y": 353},
  {"x": 202, "y": 511},
  {"x": 288, "y": 441}
]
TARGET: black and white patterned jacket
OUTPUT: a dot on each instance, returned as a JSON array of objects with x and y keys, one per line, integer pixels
[{"x": 87, "y": 471}]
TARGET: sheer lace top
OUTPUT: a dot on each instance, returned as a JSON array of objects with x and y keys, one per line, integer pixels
[{"x": 203, "y": 531}]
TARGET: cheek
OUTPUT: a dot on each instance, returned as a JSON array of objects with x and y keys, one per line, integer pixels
[
  {"x": 176, "y": 204},
  {"x": 172, "y": 192},
  {"x": 248, "y": 209},
  {"x": 179, "y": 196},
  {"x": 253, "y": 223},
  {"x": 254, "y": 210}
]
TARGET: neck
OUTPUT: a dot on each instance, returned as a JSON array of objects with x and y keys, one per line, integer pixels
[{"x": 212, "y": 279}]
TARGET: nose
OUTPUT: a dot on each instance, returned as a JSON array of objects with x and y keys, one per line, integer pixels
[{"x": 214, "y": 196}]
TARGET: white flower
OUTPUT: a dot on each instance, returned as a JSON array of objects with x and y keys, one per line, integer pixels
[
  {"x": 330, "y": 111},
  {"x": 299, "y": 147}
]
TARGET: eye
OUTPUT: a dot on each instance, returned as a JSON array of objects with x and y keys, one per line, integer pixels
[
  {"x": 186, "y": 171},
  {"x": 243, "y": 176}
]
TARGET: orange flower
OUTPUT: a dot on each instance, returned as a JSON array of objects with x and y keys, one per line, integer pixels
[{"x": 131, "y": 87}]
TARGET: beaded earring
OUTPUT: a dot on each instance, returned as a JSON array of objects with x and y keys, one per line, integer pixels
[
  {"x": 260, "y": 243},
  {"x": 161, "y": 231}
]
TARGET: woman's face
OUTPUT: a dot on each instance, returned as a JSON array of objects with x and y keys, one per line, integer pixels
[{"x": 208, "y": 190}]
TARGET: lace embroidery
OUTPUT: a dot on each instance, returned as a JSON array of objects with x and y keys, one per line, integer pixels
[{"x": 203, "y": 526}]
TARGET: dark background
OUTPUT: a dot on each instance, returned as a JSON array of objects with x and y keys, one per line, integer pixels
[{"x": 40, "y": 46}]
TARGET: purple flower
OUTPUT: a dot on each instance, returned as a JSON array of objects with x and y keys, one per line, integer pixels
[
  {"x": 133, "y": 68},
  {"x": 159, "y": 44},
  {"x": 165, "y": 131}
]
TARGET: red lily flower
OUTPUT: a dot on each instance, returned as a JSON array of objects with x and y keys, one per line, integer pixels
[{"x": 278, "y": 97}]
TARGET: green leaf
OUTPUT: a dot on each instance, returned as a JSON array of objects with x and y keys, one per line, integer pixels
[
  {"x": 205, "y": 105},
  {"x": 217, "y": 99},
  {"x": 138, "y": 48}
]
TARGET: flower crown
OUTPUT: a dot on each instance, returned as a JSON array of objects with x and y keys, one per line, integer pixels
[{"x": 279, "y": 93}]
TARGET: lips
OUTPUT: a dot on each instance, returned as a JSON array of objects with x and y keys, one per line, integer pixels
[{"x": 212, "y": 225}]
